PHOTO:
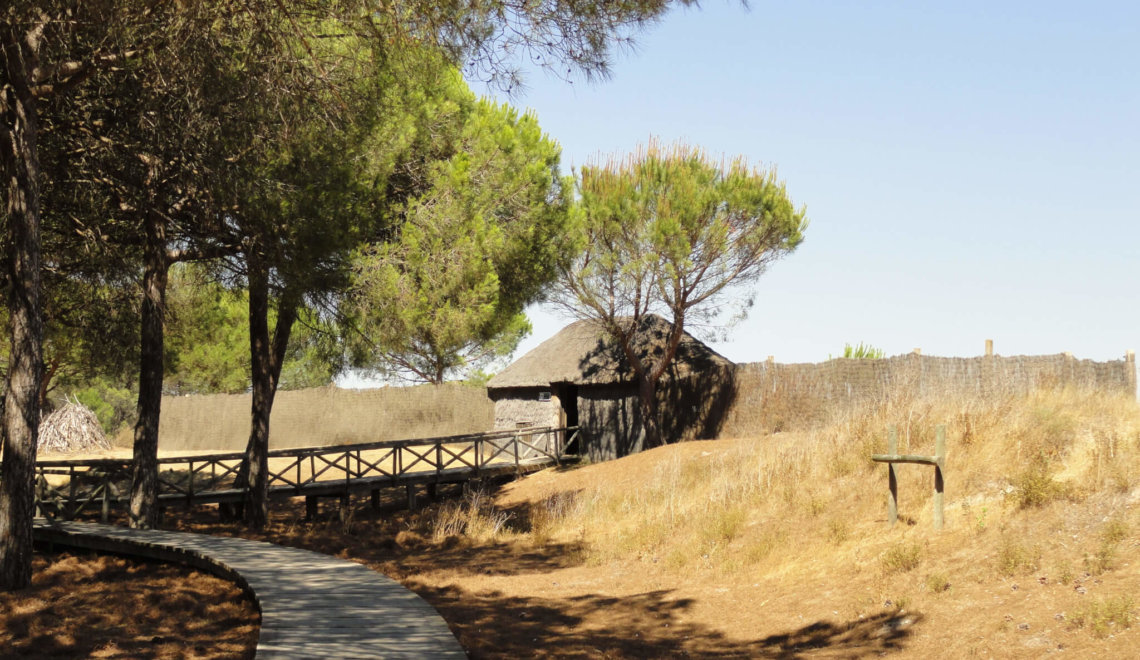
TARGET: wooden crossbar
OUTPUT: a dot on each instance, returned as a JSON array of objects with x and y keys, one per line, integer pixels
[{"x": 938, "y": 461}]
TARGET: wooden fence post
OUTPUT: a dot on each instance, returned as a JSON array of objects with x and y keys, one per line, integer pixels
[
  {"x": 892, "y": 480},
  {"x": 989, "y": 348},
  {"x": 411, "y": 488},
  {"x": 106, "y": 513},
  {"x": 940, "y": 456},
  {"x": 938, "y": 460}
]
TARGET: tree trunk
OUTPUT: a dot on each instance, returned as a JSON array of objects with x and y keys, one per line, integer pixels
[
  {"x": 647, "y": 398},
  {"x": 19, "y": 166},
  {"x": 266, "y": 358},
  {"x": 144, "y": 477}
]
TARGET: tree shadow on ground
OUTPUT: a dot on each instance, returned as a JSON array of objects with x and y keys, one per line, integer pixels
[
  {"x": 390, "y": 539},
  {"x": 81, "y": 604},
  {"x": 398, "y": 543},
  {"x": 648, "y": 625}
]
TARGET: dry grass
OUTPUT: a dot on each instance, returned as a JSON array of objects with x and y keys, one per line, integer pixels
[
  {"x": 778, "y": 546},
  {"x": 474, "y": 518},
  {"x": 1005, "y": 455}
]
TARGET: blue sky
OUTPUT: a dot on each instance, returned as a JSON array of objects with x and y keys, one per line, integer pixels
[{"x": 969, "y": 169}]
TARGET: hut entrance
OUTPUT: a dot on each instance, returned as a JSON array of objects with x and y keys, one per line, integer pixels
[{"x": 568, "y": 398}]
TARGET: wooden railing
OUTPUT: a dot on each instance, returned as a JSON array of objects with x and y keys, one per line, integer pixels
[
  {"x": 66, "y": 488},
  {"x": 892, "y": 457}
]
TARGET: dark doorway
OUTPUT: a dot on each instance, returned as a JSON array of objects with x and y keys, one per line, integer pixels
[{"x": 568, "y": 396}]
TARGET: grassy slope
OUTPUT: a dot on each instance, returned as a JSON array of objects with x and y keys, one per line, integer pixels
[{"x": 775, "y": 535}]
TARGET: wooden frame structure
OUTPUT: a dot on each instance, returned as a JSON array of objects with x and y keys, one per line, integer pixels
[
  {"x": 892, "y": 457},
  {"x": 66, "y": 488}
]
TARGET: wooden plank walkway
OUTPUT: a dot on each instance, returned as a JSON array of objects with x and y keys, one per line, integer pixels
[{"x": 312, "y": 605}]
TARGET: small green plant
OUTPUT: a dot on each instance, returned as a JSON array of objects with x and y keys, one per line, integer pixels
[
  {"x": 1065, "y": 573},
  {"x": 1102, "y": 560},
  {"x": 1035, "y": 486},
  {"x": 761, "y": 549},
  {"x": 1100, "y": 617},
  {"x": 722, "y": 525},
  {"x": 1115, "y": 531},
  {"x": 1015, "y": 558},
  {"x": 902, "y": 558},
  {"x": 936, "y": 583},
  {"x": 837, "y": 531},
  {"x": 861, "y": 352}
]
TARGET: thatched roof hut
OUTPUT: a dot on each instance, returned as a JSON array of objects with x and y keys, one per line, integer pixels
[{"x": 581, "y": 377}]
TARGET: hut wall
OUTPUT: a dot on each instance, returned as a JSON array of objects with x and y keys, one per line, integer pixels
[
  {"x": 692, "y": 407},
  {"x": 520, "y": 406},
  {"x": 609, "y": 421}
]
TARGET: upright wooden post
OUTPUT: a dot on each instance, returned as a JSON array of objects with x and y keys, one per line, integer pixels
[
  {"x": 375, "y": 498},
  {"x": 411, "y": 497},
  {"x": 310, "y": 508},
  {"x": 940, "y": 456},
  {"x": 892, "y": 480},
  {"x": 989, "y": 348},
  {"x": 345, "y": 507},
  {"x": 106, "y": 513}
]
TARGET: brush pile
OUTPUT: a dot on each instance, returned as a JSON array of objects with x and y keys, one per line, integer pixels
[{"x": 72, "y": 429}]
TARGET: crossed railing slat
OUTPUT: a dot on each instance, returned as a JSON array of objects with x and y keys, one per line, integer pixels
[{"x": 66, "y": 488}]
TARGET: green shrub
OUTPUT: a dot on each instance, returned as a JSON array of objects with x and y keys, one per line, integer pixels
[
  {"x": 114, "y": 406},
  {"x": 1035, "y": 486},
  {"x": 862, "y": 352},
  {"x": 1102, "y": 616},
  {"x": 902, "y": 558},
  {"x": 937, "y": 583},
  {"x": 1015, "y": 558}
]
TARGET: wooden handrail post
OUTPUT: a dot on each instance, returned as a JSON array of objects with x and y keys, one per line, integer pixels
[
  {"x": 106, "y": 513},
  {"x": 940, "y": 455},
  {"x": 892, "y": 480},
  {"x": 72, "y": 493},
  {"x": 938, "y": 460}
]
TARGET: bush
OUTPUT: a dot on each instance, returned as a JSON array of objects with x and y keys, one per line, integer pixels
[
  {"x": 937, "y": 583},
  {"x": 1014, "y": 558},
  {"x": 1101, "y": 616},
  {"x": 1035, "y": 486},
  {"x": 862, "y": 352},
  {"x": 902, "y": 558},
  {"x": 114, "y": 406}
]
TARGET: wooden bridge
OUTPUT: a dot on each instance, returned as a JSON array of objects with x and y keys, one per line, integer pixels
[{"x": 67, "y": 488}]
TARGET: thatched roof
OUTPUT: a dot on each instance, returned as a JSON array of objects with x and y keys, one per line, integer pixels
[{"x": 582, "y": 354}]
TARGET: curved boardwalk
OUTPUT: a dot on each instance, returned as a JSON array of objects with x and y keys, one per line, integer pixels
[{"x": 312, "y": 605}]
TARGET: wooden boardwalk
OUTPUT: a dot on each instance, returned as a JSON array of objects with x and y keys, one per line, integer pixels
[
  {"x": 312, "y": 605},
  {"x": 67, "y": 487}
]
